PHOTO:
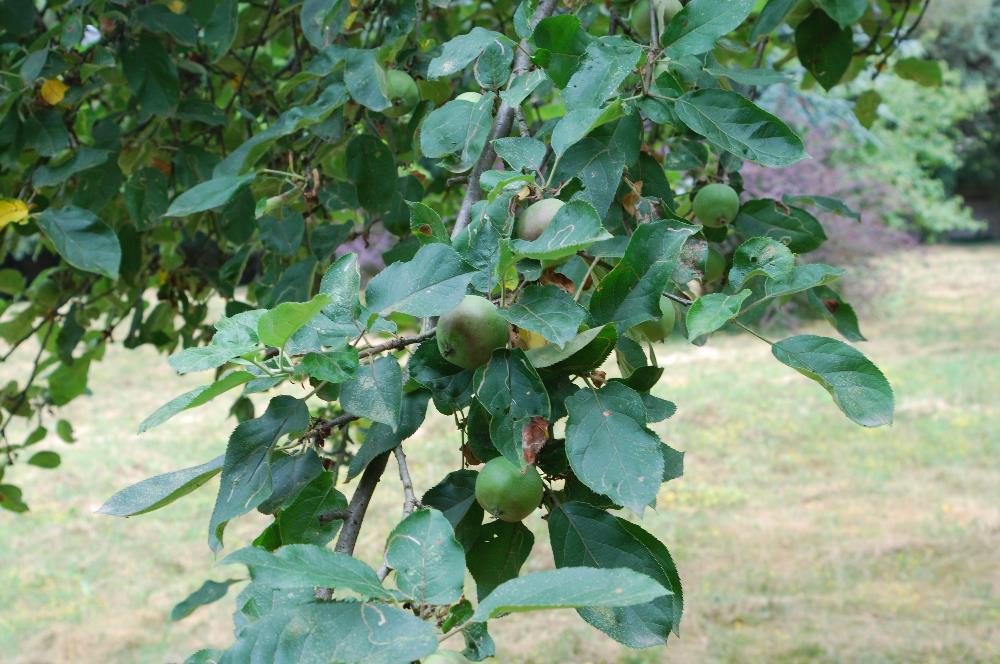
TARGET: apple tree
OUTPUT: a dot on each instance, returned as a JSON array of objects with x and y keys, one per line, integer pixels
[{"x": 346, "y": 214}]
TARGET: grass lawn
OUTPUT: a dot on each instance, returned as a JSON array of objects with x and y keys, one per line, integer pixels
[{"x": 800, "y": 537}]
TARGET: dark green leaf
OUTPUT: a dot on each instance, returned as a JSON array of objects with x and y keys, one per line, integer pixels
[
  {"x": 208, "y": 592},
  {"x": 828, "y": 303},
  {"x": 630, "y": 293},
  {"x": 711, "y": 312},
  {"x": 824, "y": 203},
  {"x": 760, "y": 256},
  {"x": 547, "y": 310},
  {"x": 81, "y": 160},
  {"x": 844, "y": 12},
  {"x": 375, "y": 392},
  {"x": 194, "y": 398},
  {"x": 371, "y": 167},
  {"x": 584, "y": 536},
  {"x": 382, "y": 438},
  {"x": 455, "y": 496},
  {"x": 459, "y": 52},
  {"x": 825, "y": 49},
  {"x": 499, "y": 551},
  {"x": 428, "y": 561},
  {"x": 45, "y": 459},
  {"x": 770, "y": 17},
  {"x": 246, "y": 473},
  {"x": 520, "y": 152},
  {"x": 609, "y": 447},
  {"x": 924, "y": 72},
  {"x": 334, "y": 366},
  {"x": 306, "y": 566},
  {"x": 794, "y": 227},
  {"x": 585, "y": 352},
  {"x": 857, "y": 386},
  {"x": 509, "y": 387},
  {"x": 606, "y": 63},
  {"x": 156, "y": 492},
  {"x": 574, "y": 227},
  {"x": 430, "y": 284},
  {"x": 348, "y": 632},
  {"x": 697, "y": 27},
  {"x": 733, "y": 123},
  {"x": 569, "y": 587},
  {"x": 82, "y": 239},
  {"x": 208, "y": 195}
]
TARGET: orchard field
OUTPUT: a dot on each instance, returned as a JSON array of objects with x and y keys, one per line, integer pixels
[{"x": 800, "y": 537}]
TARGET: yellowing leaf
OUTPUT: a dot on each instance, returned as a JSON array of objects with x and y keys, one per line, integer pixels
[
  {"x": 12, "y": 211},
  {"x": 176, "y": 6},
  {"x": 53, "y": 91}
]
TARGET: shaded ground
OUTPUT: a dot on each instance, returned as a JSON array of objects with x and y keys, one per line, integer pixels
[{"x": 800, "y": 537}]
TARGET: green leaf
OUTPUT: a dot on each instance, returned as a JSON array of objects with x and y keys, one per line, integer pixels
[
  {"x": 522, "y": 86},
  {"x": 450, "y": 385},
  {"x": 291, "y": 121},
  {"x": 208, "y": 592},
  {"x": 857, "y": 386},
  {"x": 866, "y": 107},
  {"x": 235, "y": 336},
  {"x": 499, "y": 551},
  {"x": 426, "y": 224},
  {"x": 83, "y": 240},
  {"x": 510, "y": 387},
  {"x": 733, "y": 123},
  {"x": 428, "y": 561},
  {"x": 307, "y": 566},
  {"x": 522, "y": 153},
  {"x": 46, "y": 133},
  {"x": 770, "y": 17},
  {"x": 382, "y": 438},
  {"x": 584, "y": 536},
  {"x": 697, "y": 27},
  {"x": 208, "y": 195},
  {"x": 372, "y": 169},
  {"x": 11, "y": 281},
  {"x": 569, "y": 587},
  {"x": 321, "y": 20},
  {"x": 760, "y": 256},
  {"x": 579, "y": 122},
  {"x": 277, "y": 325},
  {"x": 334, "y": 366},
  {"x": 146, "y": 197},
  {"x": 299, "y": 522},
  {"x": 348, "y": 632},
  {"x": 11, "y": 499},
  {"x": 585, "y": 352},
  {"x": 45, "y": 459},
  {"x": 574, "y": 227},
  {"x": 547, "y": 310},
  {"x": 924, "y": 72},
  {"x": 156, "y": 492},
  {"x": 844, "y": 12},
  {"x": 711, "y": 312},
  {"x": 433, "y": 282},
  {"x": 828, "y": 303},
  {"x": 81, "y": 160},
  {"x": 194, "y": 398},
  {"x": 459, "y": 127},
  {"x": 797, "y": 229},
  {"x": 365, "y": 79},
  {"x": 246, "y": 472},
  {"x": 630, "y": 293},
  {"x": 606, "y": 63},
  {"x": 152, "y": 77},
  {"x": 459, "y": 52},
  {"x": 290, "y": 474},
  {"x": 825, "y": 49},
  {"x": 824, "y": 203},
  {"x": 561, "y": 42},
  {"x": 801, "y": 278},
  {"x": 609, "y": 447},
  {"x": 375, "y": 392},
  {"x": 32, "y": 65},
  {"x": 455, "y": 497},
  {"x": 492, "y": 68},
  {"x": 220, "y": 31}
]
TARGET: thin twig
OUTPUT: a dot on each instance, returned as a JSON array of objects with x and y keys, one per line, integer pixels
[
  {"x": 395, "y": 344},
  {"x": 501, "y": 127},
  {"x": 253, "y": 54}
]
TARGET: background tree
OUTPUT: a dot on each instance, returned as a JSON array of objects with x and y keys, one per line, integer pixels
[{"x": 350, "y": 183}]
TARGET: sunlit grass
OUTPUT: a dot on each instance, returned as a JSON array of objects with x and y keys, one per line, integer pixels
[{"x": 800, "y": 537}]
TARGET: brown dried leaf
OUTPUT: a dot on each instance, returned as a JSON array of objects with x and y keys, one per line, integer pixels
[{"x": 534, "y": 435}]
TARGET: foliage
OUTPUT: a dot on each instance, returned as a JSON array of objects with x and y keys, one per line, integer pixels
[
  {"x": 967, "y": 42},
  {"x": 176, "y": 155}
]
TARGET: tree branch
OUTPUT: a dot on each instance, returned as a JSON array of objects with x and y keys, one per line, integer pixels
[
  {"x": 359, "y": 504},
  {"x": 501, "y": 127},
  {"x": 395, "y": 344}
]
